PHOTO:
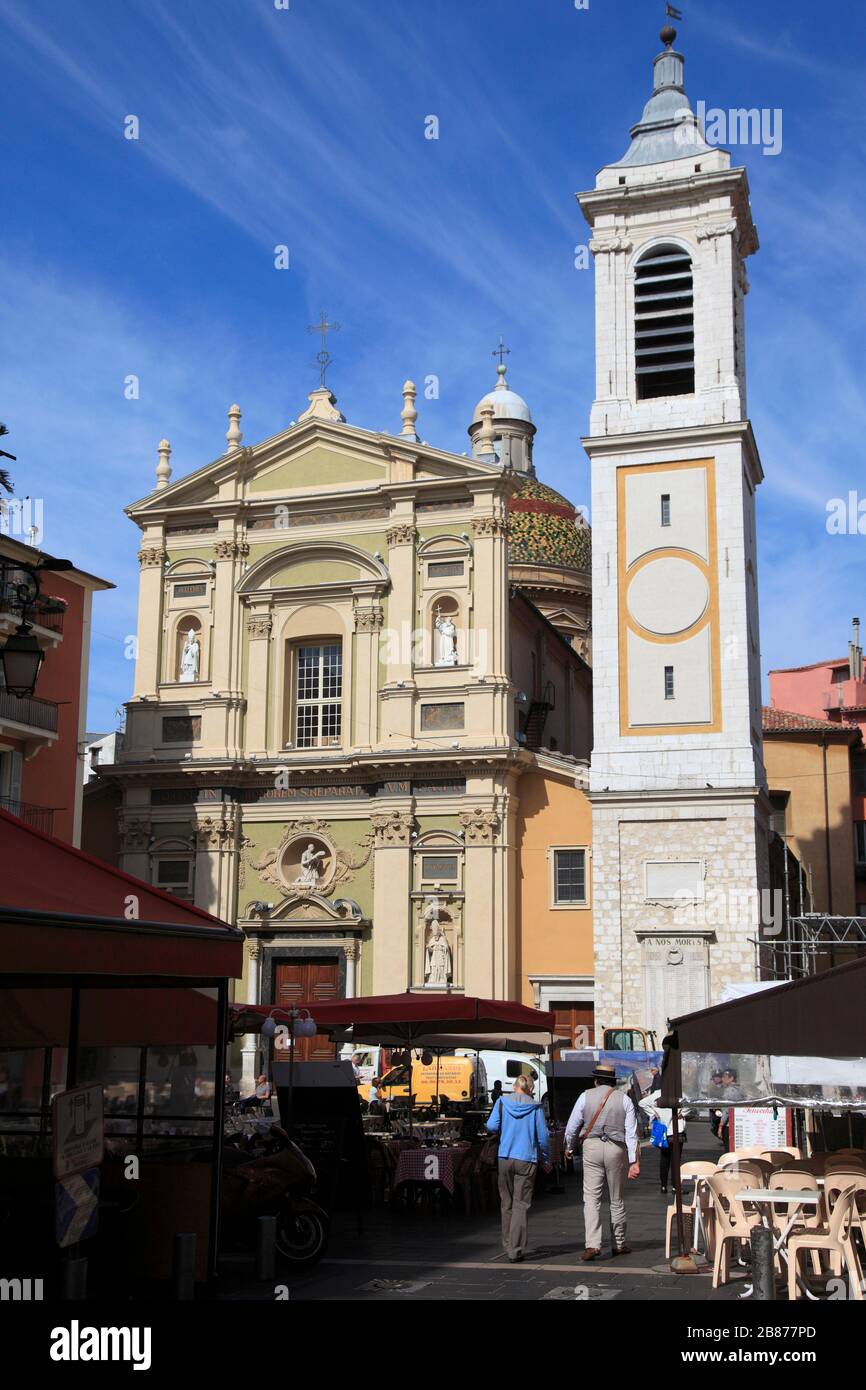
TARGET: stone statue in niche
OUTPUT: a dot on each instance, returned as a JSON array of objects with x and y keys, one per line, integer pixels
[
  {"x": 309, "y": 875},
  {"x": 438, "y": 967},
  {"x": 190, "y": 657},
  {"x": 447, "y": 644}
]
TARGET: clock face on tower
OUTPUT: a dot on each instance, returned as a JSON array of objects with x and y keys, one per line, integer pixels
[{"x": 668, "y": 606}]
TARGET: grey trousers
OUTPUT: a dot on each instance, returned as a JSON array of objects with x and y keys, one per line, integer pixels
[
  {"x": 604, "y": 1162},
  {"x": 516, "y": 1184}
]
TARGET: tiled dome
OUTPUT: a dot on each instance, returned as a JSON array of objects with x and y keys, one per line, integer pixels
[{"x": 543, "y": 529}]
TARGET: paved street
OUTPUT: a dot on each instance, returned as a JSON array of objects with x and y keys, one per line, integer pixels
[{"x": 416, "y": 1255}]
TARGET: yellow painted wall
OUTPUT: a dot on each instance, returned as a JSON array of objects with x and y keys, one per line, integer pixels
[
  {"x": 795, "y": 765},
  {"x": 551, "y": 940}
]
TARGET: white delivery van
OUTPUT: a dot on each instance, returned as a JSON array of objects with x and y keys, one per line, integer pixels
[{"x": 505, "y": 1066}]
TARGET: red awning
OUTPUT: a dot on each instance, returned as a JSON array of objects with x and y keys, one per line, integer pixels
[
  {"x": 406, "y": 1016},
  {"x": 63, "y": 912}
]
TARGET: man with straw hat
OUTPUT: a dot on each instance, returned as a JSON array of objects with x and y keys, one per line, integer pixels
[{"x": 605, "y": 1124}]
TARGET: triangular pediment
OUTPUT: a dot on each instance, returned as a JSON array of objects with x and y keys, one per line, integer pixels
[{"x": 312, "y": 458}]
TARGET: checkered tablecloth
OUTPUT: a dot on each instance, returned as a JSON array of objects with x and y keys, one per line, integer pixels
[
  {"x": 430, "y": 1165},
  {"x": 557, "y": 1148}
]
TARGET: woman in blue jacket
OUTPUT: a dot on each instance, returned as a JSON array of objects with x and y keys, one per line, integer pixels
[{"x": 519, "y": 1122}]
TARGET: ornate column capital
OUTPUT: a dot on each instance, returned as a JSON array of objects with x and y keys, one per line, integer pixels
[
  {"x": 609, "y": 246},
  {"x": 480, "y": 827},
  {"x": 352, "y": 948},
  {"x": 254, "y": 948},
  {"x": 150, "y": 556},
  {"x": 709, "y": 231},
  {"x": 215, "y": 832},
  {"x": 259, "y": 624},
  {"x": 393, "y": 827},
  {"x": 134, "y": 833},
  {"x": 402, "y": 534},
  {"x": 369, "y": 619},
  {"x": 231, "y": 550},
  {"x": 487, "y": 526}
]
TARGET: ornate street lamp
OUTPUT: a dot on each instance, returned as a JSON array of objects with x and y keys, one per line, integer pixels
[
  {"x": 21, "y": 657},
  {"x": 20, "y": 661}
]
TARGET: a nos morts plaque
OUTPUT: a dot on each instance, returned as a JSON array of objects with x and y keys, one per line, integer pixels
[{"x": 326, "y": 1125}]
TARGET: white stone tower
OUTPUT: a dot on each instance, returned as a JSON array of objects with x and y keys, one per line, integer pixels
[{"x": 677, "y": 779}]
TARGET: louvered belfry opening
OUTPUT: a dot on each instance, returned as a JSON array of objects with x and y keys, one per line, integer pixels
[{"x": 664, "y": 324}]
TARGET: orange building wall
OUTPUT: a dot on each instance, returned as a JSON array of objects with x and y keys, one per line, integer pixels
[
  {"x": 796, "y": 765},
  {"x": 551, "y": 941},
  {"x": 51, "y": 778}
]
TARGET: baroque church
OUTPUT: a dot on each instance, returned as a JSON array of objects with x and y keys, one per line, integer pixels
[{"x": 397, "y": 717}]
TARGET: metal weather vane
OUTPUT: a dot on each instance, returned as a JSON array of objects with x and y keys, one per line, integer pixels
[{"x": 323, "y": 357}]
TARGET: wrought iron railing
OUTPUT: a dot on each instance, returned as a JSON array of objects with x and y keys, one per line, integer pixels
[
  {"x": 38, "y": 714},
  {"x": 39, "y": 817}
]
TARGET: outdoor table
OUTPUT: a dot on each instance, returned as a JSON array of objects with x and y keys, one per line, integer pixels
[
  {"x": 765, "y": 1198},
  {"x": 430, "y": 1164}
]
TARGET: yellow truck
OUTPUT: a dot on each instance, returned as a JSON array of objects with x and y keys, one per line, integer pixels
[{"x": 446, "y": 1075}]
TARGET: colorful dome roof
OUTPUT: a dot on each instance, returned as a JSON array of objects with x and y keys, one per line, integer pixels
[{"x": 544, "y": 530}]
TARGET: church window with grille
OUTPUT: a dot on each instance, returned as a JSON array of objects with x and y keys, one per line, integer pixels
[
  {"x": 664, "y": 324},
  {"x": 318, "y": 695}
]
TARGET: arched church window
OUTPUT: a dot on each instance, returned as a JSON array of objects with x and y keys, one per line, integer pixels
[{"x": 664, "y": 324}]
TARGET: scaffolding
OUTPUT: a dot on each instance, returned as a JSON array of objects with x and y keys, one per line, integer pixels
[{"x": 811, "y": 943}]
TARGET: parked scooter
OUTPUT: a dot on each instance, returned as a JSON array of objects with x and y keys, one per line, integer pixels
[{"x": 266, "y": 1174}]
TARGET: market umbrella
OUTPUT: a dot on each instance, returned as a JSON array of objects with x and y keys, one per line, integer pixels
[{"x": 410, "y": 1020}]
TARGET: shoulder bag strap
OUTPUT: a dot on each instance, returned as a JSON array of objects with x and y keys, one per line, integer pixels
[{"x": 596, "y": 1116}]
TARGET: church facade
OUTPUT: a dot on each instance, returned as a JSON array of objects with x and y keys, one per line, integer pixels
[{"x": 355, "y": 731}]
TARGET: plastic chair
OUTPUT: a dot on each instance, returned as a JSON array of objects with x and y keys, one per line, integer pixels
[
  {"x": 780, "y": 1158},
  {"x": 736, "y": 1154},
  {"x": 701, "y": 1199},
  {"x": 733, "y": 1221},
  {"x": 835, "y": 1239},
  {"x": 757, "y": 1168},
  {"x": 810, "y": 1218},
  {"x": 816, "y": 1164}
]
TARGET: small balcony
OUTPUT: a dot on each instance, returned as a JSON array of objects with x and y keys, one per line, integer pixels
[
  {"x": 28, "y": 711},
  {"x": 39, "y": 817}
]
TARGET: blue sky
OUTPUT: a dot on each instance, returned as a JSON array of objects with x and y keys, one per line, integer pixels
[{"x": 305, "y": 127}]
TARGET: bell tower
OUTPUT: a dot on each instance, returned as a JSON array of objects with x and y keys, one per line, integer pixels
[{"x": 677, "y": 780}]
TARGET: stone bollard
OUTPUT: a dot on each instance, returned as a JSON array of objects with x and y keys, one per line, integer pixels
[{"x": 763, "y": 1269}]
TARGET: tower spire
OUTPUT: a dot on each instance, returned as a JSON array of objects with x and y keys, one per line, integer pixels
[{"x": 668, "y": 128}]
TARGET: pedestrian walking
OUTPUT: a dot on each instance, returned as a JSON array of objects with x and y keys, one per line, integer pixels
[
  {"x": 663, "y": 1119},
  {"x": 519, "y": 1121},
  {"x": 604, "y": 1121}
]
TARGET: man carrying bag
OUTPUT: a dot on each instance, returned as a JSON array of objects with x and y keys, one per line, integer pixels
[{"x": 605, "y": 1123}]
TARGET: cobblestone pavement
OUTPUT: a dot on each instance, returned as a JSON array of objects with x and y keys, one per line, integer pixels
[{"x": 421, "y": 1254}]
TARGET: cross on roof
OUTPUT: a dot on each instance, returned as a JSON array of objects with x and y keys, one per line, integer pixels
[
  {"x": 501, "y": 352},
  {"x": 323, "y": 357}
]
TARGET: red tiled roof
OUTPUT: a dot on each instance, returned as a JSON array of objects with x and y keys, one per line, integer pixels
[
  {"x": 785, "y": 721},
  {"x": 814, "y": 666}
]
